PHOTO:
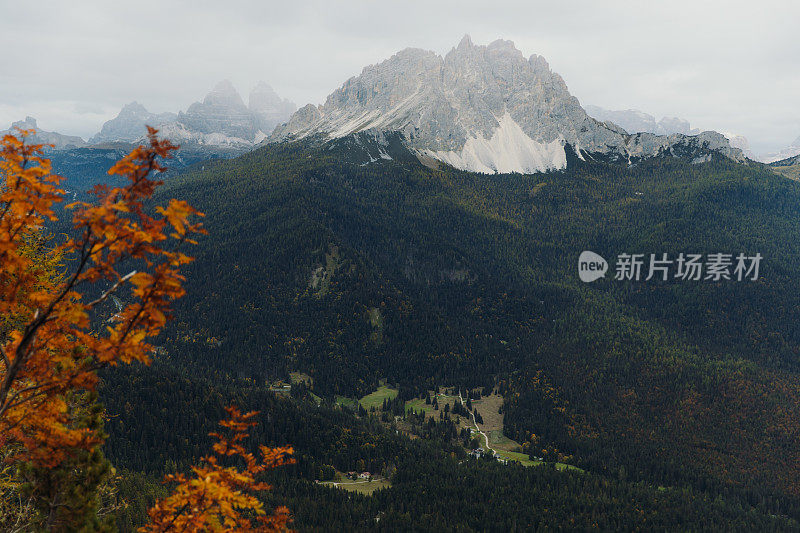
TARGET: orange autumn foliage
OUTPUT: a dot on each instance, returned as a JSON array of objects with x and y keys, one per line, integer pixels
[
  {"x": 217, "y": 496},
  {"x": 51, "y": 348},
  {"x": 49, "y": 339}
]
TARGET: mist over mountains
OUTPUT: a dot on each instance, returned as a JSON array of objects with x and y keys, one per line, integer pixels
[
  {"x": 129, "y": 124},
  {"x": 221, "y": 118},
  {"x": 790, "y": 151},
  {"x": 484, "y": 108},
  {"x": 220, "y": 126},
  {"x": 635, "y": 121}
]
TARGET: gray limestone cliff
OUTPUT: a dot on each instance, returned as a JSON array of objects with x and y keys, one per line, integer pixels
[{"x": 479, "y": 108}]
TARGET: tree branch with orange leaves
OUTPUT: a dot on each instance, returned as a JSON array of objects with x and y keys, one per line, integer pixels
[
  {"x": 222, "y": 497},
  {"x": 48, "y": 346}
]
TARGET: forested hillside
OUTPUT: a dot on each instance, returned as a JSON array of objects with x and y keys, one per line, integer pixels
[
  {"x": 472, "y": 494},
  {"x": 354, "y": 272}
]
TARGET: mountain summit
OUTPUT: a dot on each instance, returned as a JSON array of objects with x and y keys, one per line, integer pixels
[
  {"x": 221, "y": 119},
  {"x": 129, "y": 124},
  {"x": 480, "y": 108},
  {"x": 222, "y": 111}
]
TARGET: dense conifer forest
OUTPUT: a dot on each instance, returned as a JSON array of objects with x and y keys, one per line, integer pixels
[{"x": 677, "y": 399}]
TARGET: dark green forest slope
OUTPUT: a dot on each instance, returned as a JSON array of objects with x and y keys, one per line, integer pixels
[
  {"x": 470, "y": 494},
  {"x": 688, "y": 385}
]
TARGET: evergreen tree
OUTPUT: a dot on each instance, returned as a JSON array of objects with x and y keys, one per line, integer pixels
[{"x": 77, "y": 494}]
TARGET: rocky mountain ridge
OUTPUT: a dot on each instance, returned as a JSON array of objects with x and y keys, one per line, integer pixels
[
  {"x": 480, "y": 108},
  {"x": 636, "y": 121}
]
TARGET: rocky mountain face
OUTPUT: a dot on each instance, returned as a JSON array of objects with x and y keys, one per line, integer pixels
[
  {"x": 59, "y": 141},
  {"x": 480, "y": 108},
  {"x": 635, "y": 121},
  {"x": 221, "y": 119},
  {"x": 130, "y": 124}
]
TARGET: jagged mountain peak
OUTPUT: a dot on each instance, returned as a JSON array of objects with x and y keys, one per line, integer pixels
[
  {"x": 263, "y": 94},
  {"x": 636, "y": 121},
  {"x": 220, "y": 119},
  {"x": 135, "y": 110},
  {"x": 466, "y": 41},
  {"x": 268, "y": 108},
  {"x": 484, "y": 108},
  {"x": 502, "y": 45},
  {"x": 129, "y": 124}
]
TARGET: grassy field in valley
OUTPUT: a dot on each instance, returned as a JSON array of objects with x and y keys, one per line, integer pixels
[{"x": 375, "y": 399}]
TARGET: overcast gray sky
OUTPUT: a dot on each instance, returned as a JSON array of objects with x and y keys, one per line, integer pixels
[{"x": 730, "y": 66}]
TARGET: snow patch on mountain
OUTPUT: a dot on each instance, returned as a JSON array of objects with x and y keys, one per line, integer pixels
[
  {"x": 508, "y": 150},
  {"x": 179, "y": 133}
]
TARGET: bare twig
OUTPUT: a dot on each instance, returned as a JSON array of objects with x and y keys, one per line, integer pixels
[{"x": 113, "y": 288}]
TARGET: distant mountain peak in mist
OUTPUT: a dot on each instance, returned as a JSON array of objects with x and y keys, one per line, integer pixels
[
  {"x": 222, "y": 118},
  {"x": 57, "y": 140},
  {"x": 269, "y": 109},
  {"x": 635, "y": 121},
  {"x": 129, "y": 124},
  {"x": 484, "y": 108}
]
